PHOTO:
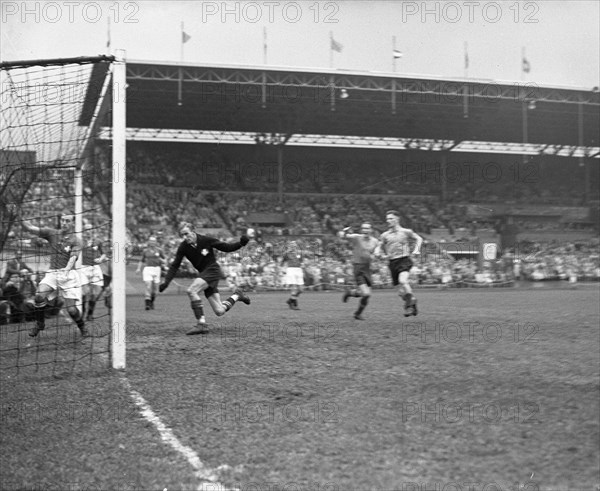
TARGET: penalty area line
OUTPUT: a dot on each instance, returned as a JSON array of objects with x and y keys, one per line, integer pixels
[{"x": 202, "y": 472}]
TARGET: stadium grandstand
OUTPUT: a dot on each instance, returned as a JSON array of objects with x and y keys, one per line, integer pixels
[
  {"x": 303, "y": 153},
  {"x": 471, "y": 164}
]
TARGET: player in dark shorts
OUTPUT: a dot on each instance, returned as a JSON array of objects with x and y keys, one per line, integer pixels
[
  {"x": 199, "y": 250},
  {"x": 363, "y": 246},
  {"x": 396, "y": 243}
]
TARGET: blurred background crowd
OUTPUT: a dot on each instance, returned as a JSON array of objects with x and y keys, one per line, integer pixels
[{"x": 554, "y": 234}]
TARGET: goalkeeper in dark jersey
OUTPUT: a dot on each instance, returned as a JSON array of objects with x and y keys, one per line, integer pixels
[{"x": 199, "y": 250}]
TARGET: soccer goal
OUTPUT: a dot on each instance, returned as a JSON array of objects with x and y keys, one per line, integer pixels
[{"x": 52, "y": 165}]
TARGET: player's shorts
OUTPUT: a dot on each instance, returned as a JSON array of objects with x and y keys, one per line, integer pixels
[
  {"x": 294, "y": 276},
  {"x": 399, "y": 265},
  {"x": 211, "y": 275},
  {"x": 91, "y": 275},
  {"x": 362, "y": 274},
  {"x": 67, "y": 288},
  {"x": 151, "y": 273},
  {"x": 106, "y": 279}
]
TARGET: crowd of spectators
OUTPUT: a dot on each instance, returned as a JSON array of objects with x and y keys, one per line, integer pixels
[
  {"x": 339, "y": 193},
  {"x": 174, "y": 183},
  {"x": 555, "y": 260},
  {"x": 327, "y": 264},
  {"x": 158, "y": 207}
]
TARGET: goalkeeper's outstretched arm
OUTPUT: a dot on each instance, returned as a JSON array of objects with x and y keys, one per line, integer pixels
[
  {"x": 231, "y": 246},
  {"x": 172, "y": 271}
]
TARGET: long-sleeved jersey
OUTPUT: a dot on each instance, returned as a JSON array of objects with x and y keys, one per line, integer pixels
[
  {"x": 62, "y": 246},
  {"x": 201, "y": 255}
]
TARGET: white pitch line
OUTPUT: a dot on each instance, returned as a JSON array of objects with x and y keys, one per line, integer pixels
[{"x": 201, "y": 471}]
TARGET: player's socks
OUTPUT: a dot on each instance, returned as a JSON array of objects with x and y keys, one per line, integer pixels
[
  {"x": 198, "y": 310},
  {"x": 230, "y": 302},
  {"x": 414, "y": 306},
  {"x": 147, "y": 304},
  {"x": 361, "y": 306},
  {"x": 91, "y": 307},
  {"x": 40, "y": 319},
  {"x": 294, "y": 299},
  {"x": 84, "y": 301},
  {"x": 81, "y": 326},
  {"x": 152, "y": 301},
  {"x": 40, "y": 313},
  {"x": 410, "y": 305}
]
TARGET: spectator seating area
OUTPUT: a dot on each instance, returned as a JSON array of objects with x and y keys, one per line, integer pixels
[{"x": 170, "y": 183}]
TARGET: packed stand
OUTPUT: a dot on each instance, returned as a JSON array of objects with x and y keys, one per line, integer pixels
[{"x": 552, "y": 261}]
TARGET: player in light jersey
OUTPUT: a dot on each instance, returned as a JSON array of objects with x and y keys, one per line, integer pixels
[
  {"x": 396, "y": 243},
  {"x": 363, "y": 247},
  {"x": 61, "y": 278},
  {"x": 153, "y": 258}
]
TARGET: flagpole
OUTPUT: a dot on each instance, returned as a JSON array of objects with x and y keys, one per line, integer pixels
[
  {"x": 108, "y": 35},
  {"x": 522, "y": 61},
  {"x": 181, "y": 54},
  {"x": 330, "y": 49},
  {"x": 180, "y": 81},
  {"x": 264, "y": 74},
  {"x": 394, "y": 54},
  {"x": 465, "y": 87},
  {"x": 264, "y": 45},
  {"x": 466, "y": 59}
]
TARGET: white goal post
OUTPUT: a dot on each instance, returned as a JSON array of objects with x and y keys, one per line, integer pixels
[{"x": 119, "y": 207}]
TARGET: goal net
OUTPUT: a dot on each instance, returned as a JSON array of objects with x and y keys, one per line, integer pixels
[{"x": 52, "y": 167}]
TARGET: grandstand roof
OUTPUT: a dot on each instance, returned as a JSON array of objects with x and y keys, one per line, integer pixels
[{"x": 473, "y": 114}]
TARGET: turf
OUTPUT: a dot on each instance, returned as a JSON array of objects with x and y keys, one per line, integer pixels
[{"x": 497, "y": 388}]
